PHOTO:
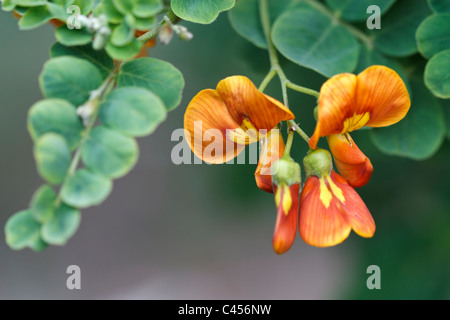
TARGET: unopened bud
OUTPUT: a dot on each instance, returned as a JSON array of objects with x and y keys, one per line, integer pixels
[
  {"x": 286, "y": 170},
  {"x": 185, "y": 35},
  {"x": 165, "y": 34},
  {"x": 86, "y": 111},
  {"x": 317, "y": 163},
  {"x": 100, "y": 41}
]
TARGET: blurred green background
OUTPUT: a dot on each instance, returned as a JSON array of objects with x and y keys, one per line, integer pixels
[{"x": 203, "y": 231}]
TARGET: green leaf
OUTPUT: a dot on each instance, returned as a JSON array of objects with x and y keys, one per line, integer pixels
[
  {"x": 29, "y": 3},
  {"x": 158, "y": 76},
  {"x": 398, "y": 28},
  {"x": 144, "y": 24},
  {"x": 356, "y": 10},
  {"x": 132, "y": 110},
  {"x": 123, "y": 34},
  {"x": 53, "y": 157},
  {"x": 69, "y": 78},
  {"x": 109, "y": 152},
  {"x": 74, "y": 37},
  {"x": 126, "y": 52},
  {"x": 86, "y": 6},
  {"x": 245, "y": 19},
  {"x": 35, "y": 17},
  {"x": 23, "y": 231},
  {"x": 439, "y": 6},
  {"x": 20, "y": 10},
  {"x": 311, "y": 39},
  {"x": 99, "y": 58},
  {"x": 42, "y": 205},
  {"x": 123, "y": 7},
  {"x": 420, "y": 134},
  {"x": 58, "y": 116},
  {"x": 8, "y": 5},
  {"x": 58, "y": 11},
  {"x": 85, "y": 188},
  {"x": 146, "y": 8},
  {"x": 437, "y": 75},
  {"x": 114, "y": 16},
  {"x": 370, "y": 57},
  {"x": 433, "y": 35},
  {"x": 200, "y": 11},
  {"x": 62, "y": 226}
]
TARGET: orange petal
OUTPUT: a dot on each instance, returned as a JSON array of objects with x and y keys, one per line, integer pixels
[
  {"x": 351, "y": 163},
  {"x": 320, "y": 226},
  {"x": 330, "y": 209},
  {"x": 355, "y": 209},
  {"x": 383, "y": 94},
  {"x": 377, "y": 97},
  {"x": 206, "y": 121},
  {"x": 272, "y": 149},
  {"x": 246, "y": 103},
  {"x": 286, "y": 199},
  {"x": 336, "y": 103},
  {"x": 236, "y": 113}
]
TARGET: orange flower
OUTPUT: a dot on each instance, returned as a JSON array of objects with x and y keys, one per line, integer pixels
[
  {"x": 220, "y": 123},
  {"x": 329, "y": 207},
  {"x": 286, "y": 185},
  {"x": 286, "y": 199},
  {"x": 236, "y": 113},
  {"x": 351, "y": 163},
  {"x": 377, "y": 97},
  {"x": 271, "y": 152}
]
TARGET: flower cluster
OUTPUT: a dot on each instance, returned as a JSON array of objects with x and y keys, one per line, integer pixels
[{"x": 326, "y": 208}]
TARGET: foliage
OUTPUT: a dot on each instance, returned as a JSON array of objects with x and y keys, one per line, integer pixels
[{"x": 100, "y": 94}]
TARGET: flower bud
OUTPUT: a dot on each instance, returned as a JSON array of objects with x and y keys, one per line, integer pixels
[
  {"x": 287, "y": 171},
  {"x": 286, "y": 200},
  {"x": 316, "y": 113},
  {"x": 286, "y": 179},
  {"x": 185, "y": 35},
  {"x": 317, "y": 163},
  {"x": 165, "y": 34},
  {"x": 100, "y": 41}
]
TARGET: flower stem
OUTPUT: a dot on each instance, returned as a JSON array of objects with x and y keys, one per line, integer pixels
[
  {"x": 153, "y": 32},
  {"x": 267, "y": 80},
  {"x": 98, "y": 95},
  {"x": 294, "y": 126},
  {"x": 273, "y": 57},
  {"x": 276, "y": 69},
  {"x": 287, "y": 148},
  {"x": 301, "y": 89}
]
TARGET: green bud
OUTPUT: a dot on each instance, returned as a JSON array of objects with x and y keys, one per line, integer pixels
[
  {"x": 316, "y": 113},
  {"x": 286, "y": 170},
  {"x": 100, "y": 41},
  {"x": 318, "y": 162}
]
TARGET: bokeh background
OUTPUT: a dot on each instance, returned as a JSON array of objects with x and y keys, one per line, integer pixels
[{"x": 202, "y": 231}]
